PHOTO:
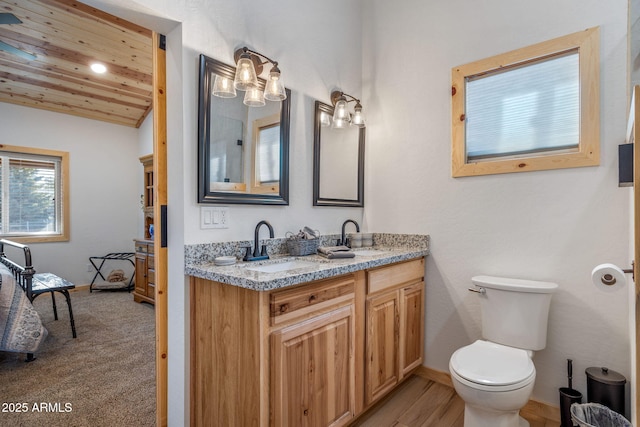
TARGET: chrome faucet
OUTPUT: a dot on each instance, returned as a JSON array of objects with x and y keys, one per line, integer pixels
[
  {"x": 257, "y": 254},
  {"x": 343, "y": 240}
]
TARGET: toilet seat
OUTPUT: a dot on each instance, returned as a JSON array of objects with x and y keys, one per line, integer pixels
[{"x": 493, "y": 367}]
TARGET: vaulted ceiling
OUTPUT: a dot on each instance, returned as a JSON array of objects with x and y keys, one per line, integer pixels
[{"x": 65, "y": 37}]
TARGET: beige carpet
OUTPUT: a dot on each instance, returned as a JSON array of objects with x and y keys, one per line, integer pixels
[{"x": 105, "y": 377}]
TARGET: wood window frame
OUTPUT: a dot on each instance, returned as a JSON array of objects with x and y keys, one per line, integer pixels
[
  {"x": 63, "y": 185},
  {"x": 587, "y": 43}
]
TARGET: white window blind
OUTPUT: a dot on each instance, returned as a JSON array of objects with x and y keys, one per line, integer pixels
[
  {"x": 29, "y": 187},
  {"x": 534, "y": 107}
]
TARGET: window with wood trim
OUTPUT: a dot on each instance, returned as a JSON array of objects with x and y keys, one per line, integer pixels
[
  {"x": 33, "y": 194},
  {"x": 534, "y": 108}
]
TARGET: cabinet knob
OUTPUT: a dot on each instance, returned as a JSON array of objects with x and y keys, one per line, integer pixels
[
  {"x": 306, "y": 412},
  {"x": 312, "y": 297},
  {"x": 284, "y": 308}
]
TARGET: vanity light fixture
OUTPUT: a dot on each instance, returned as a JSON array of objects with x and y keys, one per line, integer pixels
[
  {"x": 223, "y": 87},
  {"x": 254, "y": 97},
  {"x": 341, "y": 115},
  {"x": 248, "y": 67}
]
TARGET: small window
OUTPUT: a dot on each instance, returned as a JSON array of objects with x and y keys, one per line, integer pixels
[
  {"x": 535, "y": 108},
  {"x": 33, "y": 194}
]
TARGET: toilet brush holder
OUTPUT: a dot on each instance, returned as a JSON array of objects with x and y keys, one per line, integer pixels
[{"x": 568, "y": 396}]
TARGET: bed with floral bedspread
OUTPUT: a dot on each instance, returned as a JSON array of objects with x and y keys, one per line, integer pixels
[{"x": 20, "y": 327}]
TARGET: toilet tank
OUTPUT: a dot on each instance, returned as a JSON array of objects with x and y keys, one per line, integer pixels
[{"x": 515, "y": 311}]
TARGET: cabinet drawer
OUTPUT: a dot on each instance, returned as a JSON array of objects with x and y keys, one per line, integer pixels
[
  {"x": 309, "y": 299},
  {"x": 150, "y": 248},
  {"x": 395, "y": 275},
  {"x": 151, "y": 263},
  {"x": 141, "y": 247},
  {"x": 151, "y": 276}
]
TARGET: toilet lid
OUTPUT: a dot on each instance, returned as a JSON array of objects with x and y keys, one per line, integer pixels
[{"x": 488, "y": 363}]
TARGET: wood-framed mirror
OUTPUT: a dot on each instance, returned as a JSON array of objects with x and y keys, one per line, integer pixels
[
  {"x": 243, "y": 152},
  {"x": 338, "y": 162}
]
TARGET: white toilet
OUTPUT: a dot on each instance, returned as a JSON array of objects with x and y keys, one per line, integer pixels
[{"x": 495, "y": 376}]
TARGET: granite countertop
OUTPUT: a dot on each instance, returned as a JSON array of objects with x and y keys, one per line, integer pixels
[{"x": 307, "y": 268}]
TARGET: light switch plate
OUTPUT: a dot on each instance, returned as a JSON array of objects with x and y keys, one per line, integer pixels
[{"x": 214, "y": 217}]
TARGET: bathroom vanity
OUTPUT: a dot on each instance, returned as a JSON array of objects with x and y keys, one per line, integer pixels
[{"x": 300, "y": 341}]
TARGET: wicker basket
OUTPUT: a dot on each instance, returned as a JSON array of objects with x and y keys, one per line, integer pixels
[{"x": 300, "y": 247}]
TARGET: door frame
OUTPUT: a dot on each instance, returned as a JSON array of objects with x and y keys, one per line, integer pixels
[
  {"x": 159, "y": 212},
  {"x": 633, "y": 135}
]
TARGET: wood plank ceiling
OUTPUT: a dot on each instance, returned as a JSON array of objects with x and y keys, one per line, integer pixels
[{"x": 66, "y": 37}]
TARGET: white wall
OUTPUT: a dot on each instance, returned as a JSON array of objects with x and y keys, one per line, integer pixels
[
  {"x": 553, "y": 225},
  {"x": 302, "y": 38},
  {"x": 104, "y": 176},
  {"x": 318, "y": 51}
]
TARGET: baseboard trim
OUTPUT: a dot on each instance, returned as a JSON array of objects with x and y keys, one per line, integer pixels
[{"x": 533, "y": 408}]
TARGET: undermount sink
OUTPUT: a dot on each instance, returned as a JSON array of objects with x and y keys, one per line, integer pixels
[
  {"x": 369, "y": 252},
  {"x": 281, "y": 266}
]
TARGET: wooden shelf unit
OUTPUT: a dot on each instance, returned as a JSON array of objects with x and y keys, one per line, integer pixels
[{"x": 147, "y": 195}]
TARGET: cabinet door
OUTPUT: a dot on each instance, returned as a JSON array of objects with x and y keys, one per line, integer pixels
[
  {"x": 141, "y": 274},
  {"x": 312, "y": 371},
  {"x": 382, "y": 345},
  {"x": 151, "y": 277},
  {"x": 411, "y": 327}
]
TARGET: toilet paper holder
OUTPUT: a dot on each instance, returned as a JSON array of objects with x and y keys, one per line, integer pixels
[{"x": 610, "y": 280}]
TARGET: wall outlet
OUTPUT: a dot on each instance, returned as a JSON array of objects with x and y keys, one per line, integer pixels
[{"x": 214, "y": 217}]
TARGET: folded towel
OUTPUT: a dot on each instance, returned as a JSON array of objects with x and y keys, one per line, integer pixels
[
  {"x": 116, "y": 276},
  {"x": 327, "y": 249},
  {"x": 336, "y": 255},
  {"x": 333, "y": 252}
]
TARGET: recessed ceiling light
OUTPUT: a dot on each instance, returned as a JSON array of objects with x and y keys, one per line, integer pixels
[{"x": 98, "y": 68}]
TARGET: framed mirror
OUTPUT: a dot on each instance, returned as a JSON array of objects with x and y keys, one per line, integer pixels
[
  {"x": 243, "y": 152},
  {"x": 338, "y": 162}
]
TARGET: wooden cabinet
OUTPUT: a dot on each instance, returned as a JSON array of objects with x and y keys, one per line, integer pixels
[
  {"x": 312, "y": 354},
  {"x": 382, "y": 344},
  {"x": 282, "y": 358},
  {"x": 145, "y": 289},
  {"x": 411, "y": 328},
  {"x": 147, "y": 195},
  {"x": 312, "y": 371},
  {"x": 317, "y": 354},
  {"x": 395, "y": 326}
]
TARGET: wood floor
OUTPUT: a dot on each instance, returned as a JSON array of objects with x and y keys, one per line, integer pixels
[{"x": 419, "y": 402}]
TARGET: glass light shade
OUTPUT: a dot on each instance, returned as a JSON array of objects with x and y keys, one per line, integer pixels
[
  {"x": 340, "y": 112},
  {"x": 358, "y": 117},
  {"x": 246, "y": 77},
  {"x": 340, "y": 123},
  {"x": 274, "y": 89},
  {"x": 254, "y": 98},
  {"x": 223, "y": 87}
]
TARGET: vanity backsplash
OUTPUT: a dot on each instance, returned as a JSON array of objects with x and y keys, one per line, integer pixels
[{"x": 206, "y": 252}]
